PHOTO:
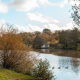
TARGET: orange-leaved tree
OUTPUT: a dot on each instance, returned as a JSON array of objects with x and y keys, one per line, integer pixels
[{"x": 14, "y": 53}]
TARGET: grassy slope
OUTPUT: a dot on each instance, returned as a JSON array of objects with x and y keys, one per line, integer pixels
[{"x": 9, "y": 75}]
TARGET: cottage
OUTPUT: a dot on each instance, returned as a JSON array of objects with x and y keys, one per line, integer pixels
[{"x": 45, "y": 45}]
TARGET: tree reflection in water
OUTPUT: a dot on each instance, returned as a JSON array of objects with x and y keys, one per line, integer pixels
[
  {"x": 65, "y": 63},
  {"x": 75, "y": 64},
  {"x": 69, "y": 61}
]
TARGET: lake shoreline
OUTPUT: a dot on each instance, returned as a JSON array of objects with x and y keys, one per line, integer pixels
[
  {"x": 63, "y": 63},
  {"x": 60, "y": 52}
]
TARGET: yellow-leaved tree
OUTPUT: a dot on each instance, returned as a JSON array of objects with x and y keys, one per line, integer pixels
[{"x": 14, "y": 53}]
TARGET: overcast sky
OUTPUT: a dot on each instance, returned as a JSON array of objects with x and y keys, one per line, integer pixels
[{"x": 35, "y": 15}]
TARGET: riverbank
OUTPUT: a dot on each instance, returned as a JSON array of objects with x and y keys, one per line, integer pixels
[
  {"x": 60, "y": 52},
  {"x": 6, "y": 74}
]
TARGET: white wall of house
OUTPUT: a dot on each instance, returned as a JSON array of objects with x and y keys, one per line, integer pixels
[{"x": 44, "y": 46}]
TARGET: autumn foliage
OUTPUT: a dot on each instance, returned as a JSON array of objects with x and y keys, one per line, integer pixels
[{"x": 14, "y": 53}]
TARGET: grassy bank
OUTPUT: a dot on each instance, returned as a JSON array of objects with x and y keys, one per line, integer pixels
[{"x": 9, "y": 75}]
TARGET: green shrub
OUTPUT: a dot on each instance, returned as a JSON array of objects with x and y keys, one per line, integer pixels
[{"x": 41, "y": 70}]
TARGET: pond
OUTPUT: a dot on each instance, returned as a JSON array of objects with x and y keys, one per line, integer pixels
[{"x": 65, "y": 64}]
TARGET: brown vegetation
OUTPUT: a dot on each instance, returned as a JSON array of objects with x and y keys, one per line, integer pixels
[{"x": 15, "y": 54}]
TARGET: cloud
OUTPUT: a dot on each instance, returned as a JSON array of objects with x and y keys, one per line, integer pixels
[
  {"x": 64, "y": 3},
  {"x": 32, "y": 28},
  {"x": 41, "y": 18},
  {"x": 27, "y": 5},
  {"x": 72, "y": 2},
  {"x": 46, "y": 2},
  {"x": 28, "y": 28},
  {"x": 23, "y": 5},
  {"x": 2, "y": 21},
  {"x": 60, "y": 4},
  {"x": 3, "y": 7},
  {"x": 69, "y": 25},
  {"x": 52, "y": 27}
]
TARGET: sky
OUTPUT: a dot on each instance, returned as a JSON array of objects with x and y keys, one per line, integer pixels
[{"x": 36, "y": 15}]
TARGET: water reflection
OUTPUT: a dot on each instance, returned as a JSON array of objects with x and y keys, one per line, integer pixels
[
  {"x": 66, "y": 63},
  {"x": 70, "y": 63},
  {"x": 75, "y": 65},
  {"x": 60, "y": 52},
  {"x": 45, "y": 50}
]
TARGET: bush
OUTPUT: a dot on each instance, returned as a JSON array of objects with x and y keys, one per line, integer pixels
[{"x": 41, "y": 70}]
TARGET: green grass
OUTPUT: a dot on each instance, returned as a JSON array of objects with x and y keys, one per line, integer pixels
[{"x": 9, "y": 75}]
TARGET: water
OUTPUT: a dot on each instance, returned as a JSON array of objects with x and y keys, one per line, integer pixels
[{"x": 66, "y": 66}]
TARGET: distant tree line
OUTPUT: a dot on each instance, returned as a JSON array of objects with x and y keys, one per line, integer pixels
[
  {"x": 36, "y": 39},
  {"x": 70, "y": 39}
]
